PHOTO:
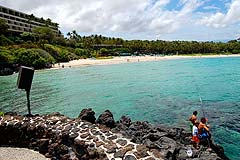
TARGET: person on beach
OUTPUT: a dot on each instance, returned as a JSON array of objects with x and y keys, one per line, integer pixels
[
  {"x": 195, "y": 139},
  {"x": 193, "y": 119}
]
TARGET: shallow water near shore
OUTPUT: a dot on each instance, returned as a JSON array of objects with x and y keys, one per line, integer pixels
[{"x": 165, "y": 92}]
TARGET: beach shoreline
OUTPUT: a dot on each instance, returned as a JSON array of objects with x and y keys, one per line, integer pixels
[{"x": 130, "y": 59}]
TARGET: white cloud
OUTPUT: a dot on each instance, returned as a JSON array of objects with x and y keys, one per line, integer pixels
[
  {"x": 212, "y": 7},
  {"x": 104, "y": 16},
  {"x": 220, "y": 19},
  {"x": 133, "y": 19}
]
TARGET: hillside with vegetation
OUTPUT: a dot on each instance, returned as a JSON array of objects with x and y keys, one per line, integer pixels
[{"x": 43, "y": 47}]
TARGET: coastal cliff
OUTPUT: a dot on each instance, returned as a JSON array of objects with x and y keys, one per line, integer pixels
[{"x": 59, "y": 137}]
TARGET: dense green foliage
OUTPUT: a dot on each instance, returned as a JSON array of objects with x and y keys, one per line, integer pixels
[
  {"x": 33, "y": 57},
  {"x": 1, "y": 114},
  {"x": 44, "y": 47},
  {"x": 60, "y": 53},
  {"x": 36, "y": 58},
  {"x": 44, "y": 33},
  {"x": 107, "y": 46},
  {"x": 5, "y": 56},
  {"x": 3, "y": 27},
  {"x": 27, "y": 36},
  {"x": 4, "y": 41},
  {"x": 82, "y": 53}
]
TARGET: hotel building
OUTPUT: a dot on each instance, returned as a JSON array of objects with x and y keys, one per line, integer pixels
[{"x": 19, "y": 22}]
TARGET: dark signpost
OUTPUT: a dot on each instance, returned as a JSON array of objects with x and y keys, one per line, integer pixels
[{"x": 25, "y": 78}]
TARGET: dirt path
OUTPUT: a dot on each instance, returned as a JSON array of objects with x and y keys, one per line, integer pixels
[{"x": 8, "y": 153}]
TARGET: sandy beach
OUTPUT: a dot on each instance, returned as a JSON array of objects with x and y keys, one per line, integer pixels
[{"x": 129, "y": 59}]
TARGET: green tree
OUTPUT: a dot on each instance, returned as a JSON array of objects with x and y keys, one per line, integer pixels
[
  {"x": 27, "y": 36},
  {"x": 104, "y": 52},
  {"x": 60, "y": 40},
  {"x": 82, "y": 52},
  {"x": 5, "y": 56},
  {"x": 3, "y": 27},
  {"x": 33, "y": 58},
  {"x": 59, "y": 53},
  {"x": 45, "y": 33},
  {"x": 4, "y": 41}
]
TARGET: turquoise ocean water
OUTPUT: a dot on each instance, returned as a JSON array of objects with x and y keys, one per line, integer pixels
[{"x": 165, "y": 92}]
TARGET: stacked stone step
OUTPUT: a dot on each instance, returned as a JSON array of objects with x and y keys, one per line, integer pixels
[{"x": 59, "y": 137}]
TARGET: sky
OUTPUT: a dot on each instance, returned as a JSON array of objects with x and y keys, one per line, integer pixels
[{"x": 201, "y": 20}]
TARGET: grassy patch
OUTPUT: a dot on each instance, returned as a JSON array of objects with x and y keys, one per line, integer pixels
[{"x": 101, "y": 58}]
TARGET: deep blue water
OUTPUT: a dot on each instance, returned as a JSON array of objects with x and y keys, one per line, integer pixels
[{"x": 165, "y": 92}]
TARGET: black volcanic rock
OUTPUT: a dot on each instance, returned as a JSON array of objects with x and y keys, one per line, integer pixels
[
  {"x": 43, "y": 146},
  {"x": 106, "y": 118},
  {"x": 11, "y": 113},
  {"x": 125, "y": 121},
  {"x": 129, "y": 157},
  {"x": 80, "y": 148},
  {"x": 169, "y": 142},
  {"x": 6, "y": 71},
  {"x": 55, "y": 114},
  {"x": 87, "y": 115}
]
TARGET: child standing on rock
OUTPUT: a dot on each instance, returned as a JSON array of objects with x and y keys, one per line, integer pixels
[
  {"x": 204, "y": 133},
  {"x": 193, "y": 120},
  {"x": 195, "y": 139}
]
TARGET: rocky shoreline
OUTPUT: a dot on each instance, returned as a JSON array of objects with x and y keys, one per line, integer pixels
[
  {"x": 59, "y": 137},
  {"x": 8, "y": 69}
]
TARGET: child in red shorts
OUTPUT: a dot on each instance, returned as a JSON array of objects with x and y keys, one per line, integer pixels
[{"x": 195, "y": 138}]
